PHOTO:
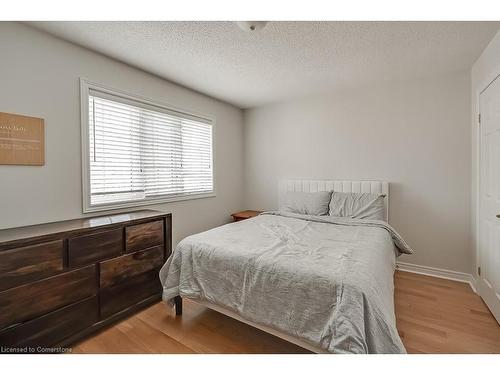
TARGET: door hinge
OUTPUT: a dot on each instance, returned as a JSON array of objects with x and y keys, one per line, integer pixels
[
  {"x": 479, "y": 271},
  {"x": 479, "y": 118}
]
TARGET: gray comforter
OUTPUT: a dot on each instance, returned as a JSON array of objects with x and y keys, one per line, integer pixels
[{"x": 325, "y": 280}]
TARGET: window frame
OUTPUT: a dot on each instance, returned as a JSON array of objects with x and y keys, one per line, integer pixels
[{"x": 85, "y": 87}]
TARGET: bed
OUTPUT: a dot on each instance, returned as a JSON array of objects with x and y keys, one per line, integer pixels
[{"x": 321, "y": 282}]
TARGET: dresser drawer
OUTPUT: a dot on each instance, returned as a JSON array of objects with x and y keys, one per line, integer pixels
[
  {"x": 37, "y": 298},
  {"x": 94, "y": 247},
  {"x": 119, "y": 269},
  {"x": 52, "y": 328},
  {"x": 118, "y": 297},
  {"x": 142, "y": 236},
  {"x": 24, "y": 264}
]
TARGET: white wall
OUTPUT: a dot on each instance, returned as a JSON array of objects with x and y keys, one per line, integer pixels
[
  {"x": 484, "y": 70},
  {"x": 39, "y": 76},
  {"x": 416, "y": 135}
]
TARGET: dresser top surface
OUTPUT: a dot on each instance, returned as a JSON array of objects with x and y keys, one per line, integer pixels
[{"x": 41, "y": 230}]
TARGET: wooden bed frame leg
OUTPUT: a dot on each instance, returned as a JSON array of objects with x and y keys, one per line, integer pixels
[{"x": 178, "y": 305}]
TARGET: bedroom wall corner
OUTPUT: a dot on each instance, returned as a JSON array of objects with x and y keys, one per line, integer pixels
[{"x": 40, "y": 77}]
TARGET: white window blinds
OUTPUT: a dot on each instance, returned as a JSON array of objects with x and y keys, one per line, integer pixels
[{"x": 141, "y": 152}]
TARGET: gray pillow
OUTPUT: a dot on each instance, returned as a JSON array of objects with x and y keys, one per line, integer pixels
[
  {"x": 306, "y": 203},
  {"x": 357, "y": 205}
]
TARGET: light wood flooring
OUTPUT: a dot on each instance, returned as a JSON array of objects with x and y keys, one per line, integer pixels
[{"x": 433, "y": 316}]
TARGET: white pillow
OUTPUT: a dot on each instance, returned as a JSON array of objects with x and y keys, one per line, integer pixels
[
  {"x": 357, "y": 205},
  {"x": 300, "y": 202}
]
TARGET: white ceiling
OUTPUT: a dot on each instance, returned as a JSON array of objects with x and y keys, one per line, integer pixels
[{"x": 285, "y": 59}]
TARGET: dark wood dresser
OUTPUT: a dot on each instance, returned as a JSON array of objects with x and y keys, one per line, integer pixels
[{"x": 61, "y": 281}]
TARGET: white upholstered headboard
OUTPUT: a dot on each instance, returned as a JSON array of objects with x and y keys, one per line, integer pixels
[{"x": 347, "y": 186}]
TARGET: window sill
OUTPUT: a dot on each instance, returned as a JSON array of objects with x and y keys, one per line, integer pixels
[{"x": 149, "y": 202}]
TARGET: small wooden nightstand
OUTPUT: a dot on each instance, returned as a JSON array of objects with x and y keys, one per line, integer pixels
[{"x": 238, "y": 216}]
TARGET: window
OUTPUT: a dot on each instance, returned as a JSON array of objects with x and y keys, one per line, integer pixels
[{"x": 136, "y": 152}]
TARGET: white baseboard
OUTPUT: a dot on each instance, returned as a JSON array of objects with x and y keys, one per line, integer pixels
[{"x": 438, "y": 272}]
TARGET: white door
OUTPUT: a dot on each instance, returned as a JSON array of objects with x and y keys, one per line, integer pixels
[{"x": 489, "y": 198}]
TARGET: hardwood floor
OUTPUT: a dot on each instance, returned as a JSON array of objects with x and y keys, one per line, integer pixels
[
  {"x": 442, "y": 316},
  {"x": 433, "y": 316}
]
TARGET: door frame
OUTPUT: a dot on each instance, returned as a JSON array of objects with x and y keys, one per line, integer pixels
[{"x": 484, "y": 84}]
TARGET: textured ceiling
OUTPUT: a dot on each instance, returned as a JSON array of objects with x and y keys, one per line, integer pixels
[{"x": 285, "y": 59}]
